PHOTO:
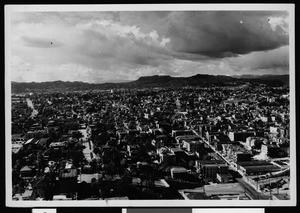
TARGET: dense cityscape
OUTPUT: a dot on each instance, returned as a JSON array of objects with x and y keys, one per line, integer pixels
[{"x": 185, "y": 143}]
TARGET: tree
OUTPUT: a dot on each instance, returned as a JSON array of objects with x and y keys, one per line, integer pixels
[
  {"x": 96, "y": 150},
  {"x": 77, "y": 134}
]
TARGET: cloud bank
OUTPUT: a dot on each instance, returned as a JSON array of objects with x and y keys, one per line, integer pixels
[{"x": 101, "y": 47}]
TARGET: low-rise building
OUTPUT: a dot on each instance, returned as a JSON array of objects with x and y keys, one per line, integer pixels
[
  {"x": 167, "y": 156},
  {"x": 210, "y": 169},
  {"x": 177, "y": 170},
  {"x": 224, "y": 178},
  {"x": 257, "y": 167},
  {"x": 274, "y": 151}
]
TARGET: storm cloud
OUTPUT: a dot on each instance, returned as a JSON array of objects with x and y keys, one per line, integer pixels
[
  {"x": 114, "y": 46},
  {"x": 223, "y": 34},
  {"x": 273, "y": 59}
]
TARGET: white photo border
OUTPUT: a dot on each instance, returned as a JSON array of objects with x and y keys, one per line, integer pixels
[{"x": 9, "y": 9}]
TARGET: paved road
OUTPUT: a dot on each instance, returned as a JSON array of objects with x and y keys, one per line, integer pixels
[
  {"x": 255, "y": 195},
  {"x": 88, "y": 151},
  {"x": 213, "y": 148},
  {"x": 249, "y": 189}
]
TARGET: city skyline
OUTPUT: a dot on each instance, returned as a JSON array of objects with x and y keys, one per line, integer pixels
[{"x": 112, "y": 46}]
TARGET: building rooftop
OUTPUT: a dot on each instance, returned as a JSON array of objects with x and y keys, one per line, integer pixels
[{"x": 222, "y": 189}]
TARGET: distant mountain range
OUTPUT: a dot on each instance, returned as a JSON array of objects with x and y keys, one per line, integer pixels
[{"x": 165, "y": 81}]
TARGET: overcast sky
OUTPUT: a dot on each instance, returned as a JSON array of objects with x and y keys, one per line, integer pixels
[{"x": 99, "y": 47}]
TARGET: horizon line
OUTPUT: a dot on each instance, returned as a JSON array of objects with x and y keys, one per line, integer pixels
[{"x": 127, "y": 81}]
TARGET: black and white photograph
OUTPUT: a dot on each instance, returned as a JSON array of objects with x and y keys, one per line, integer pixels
[{"x": 150, "y": 105}]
